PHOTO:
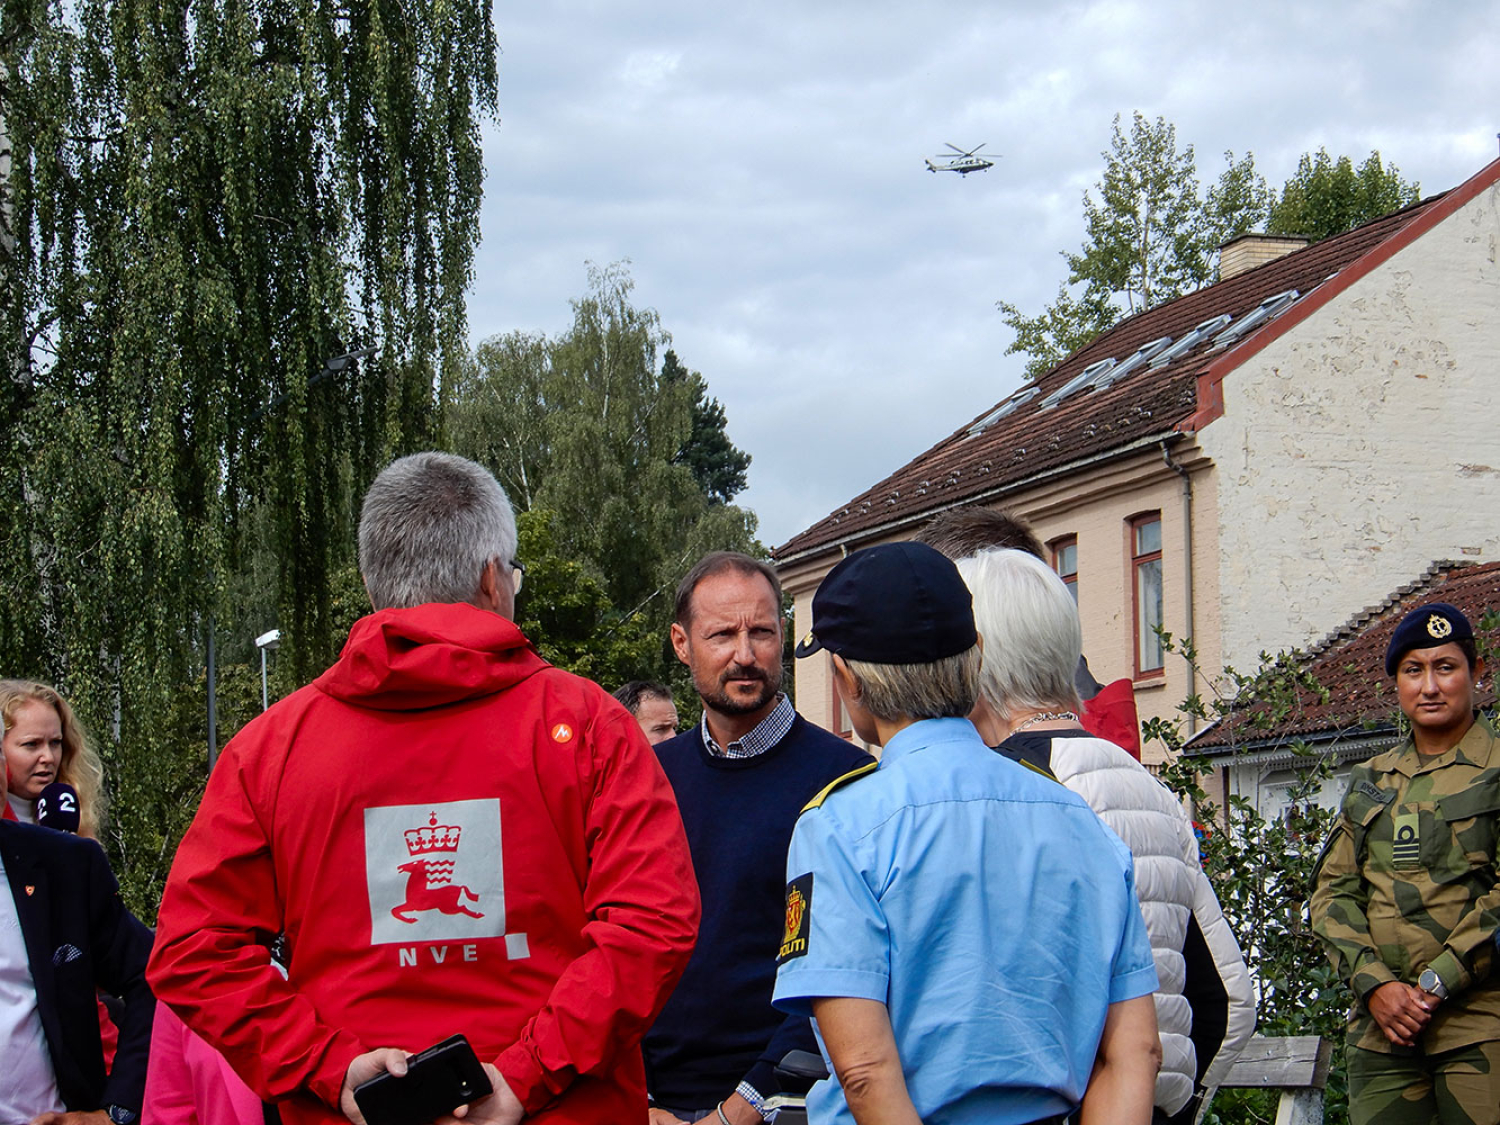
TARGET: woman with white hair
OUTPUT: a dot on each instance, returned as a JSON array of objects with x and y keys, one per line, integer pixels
[{"x": 1028, "y": 710}]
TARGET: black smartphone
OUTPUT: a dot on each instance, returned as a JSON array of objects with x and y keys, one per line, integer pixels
[{"x": 437, "y": 1081}]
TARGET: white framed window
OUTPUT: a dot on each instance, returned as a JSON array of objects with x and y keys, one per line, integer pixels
[
  {"x": 1065, "y": 562},
  {"x": 1146, "y": 588}
]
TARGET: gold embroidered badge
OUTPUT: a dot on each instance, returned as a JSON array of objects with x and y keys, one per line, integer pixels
[{"x": 1439, "y": 627}]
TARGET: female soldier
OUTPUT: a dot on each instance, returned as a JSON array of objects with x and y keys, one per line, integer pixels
[
  {"x": 1405, "y": 898},
  {"x": 43, "y": 743}
]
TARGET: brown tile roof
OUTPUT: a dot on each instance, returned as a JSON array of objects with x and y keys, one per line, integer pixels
[
  {"x": 1350, "y": 663},
  {"x": 1145, "y": 406}
]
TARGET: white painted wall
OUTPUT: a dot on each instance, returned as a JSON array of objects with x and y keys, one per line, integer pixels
[{"x": 1363, "y": 445}]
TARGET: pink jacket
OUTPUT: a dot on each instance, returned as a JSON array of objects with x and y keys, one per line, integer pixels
[{"x": 189, "y": 1083}]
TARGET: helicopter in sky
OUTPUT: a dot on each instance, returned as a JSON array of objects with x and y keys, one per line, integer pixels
[{"x": 963, "y": 163}]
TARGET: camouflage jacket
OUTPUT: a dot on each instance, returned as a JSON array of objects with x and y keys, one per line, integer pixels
[{"x": 1407, "y": 881}]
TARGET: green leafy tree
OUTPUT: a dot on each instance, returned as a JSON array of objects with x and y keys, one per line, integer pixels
[
  {"x": 1060, "y": 329},
  {"x": 1150, "y": 236},
  {"x": 1327, "y": 196},
  {"x": 203, "y": 203},
  {"x": 587, "y": 434}
]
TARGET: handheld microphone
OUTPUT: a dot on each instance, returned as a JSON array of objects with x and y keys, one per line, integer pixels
[{"x": 57, "y": 807}]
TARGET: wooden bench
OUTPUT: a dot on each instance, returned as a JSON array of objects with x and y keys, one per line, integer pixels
[{"x": 1297, "y": 1065}]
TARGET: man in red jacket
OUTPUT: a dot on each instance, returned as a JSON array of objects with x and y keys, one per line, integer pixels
[{"x": 454, "y": 836}]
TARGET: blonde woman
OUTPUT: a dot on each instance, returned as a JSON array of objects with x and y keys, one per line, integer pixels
[{"x": 44, "y": 743}]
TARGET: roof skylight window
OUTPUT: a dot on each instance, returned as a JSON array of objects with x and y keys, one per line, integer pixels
[
  {"x": 1191, "y": 340},
  {"x": 1131, "y": 362},
  {"x": 1078, "y": 382},
  {"x": 1009, "y": 406},
  {"x": 1253, "y": 319}
]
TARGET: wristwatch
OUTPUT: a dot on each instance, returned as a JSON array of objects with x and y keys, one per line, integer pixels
[{"x": 1432, "y": 984}]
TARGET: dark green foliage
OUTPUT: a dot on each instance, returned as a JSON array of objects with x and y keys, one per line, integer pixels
[
  {"x": 717, "y": 464},
  {"x": 207, "y": 201},
  {"x": 1327, "y": 197},
  {"x": 588, "y": 437}
]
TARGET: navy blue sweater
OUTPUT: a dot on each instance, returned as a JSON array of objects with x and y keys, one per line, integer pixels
[{"x": 719, "y": 1028}]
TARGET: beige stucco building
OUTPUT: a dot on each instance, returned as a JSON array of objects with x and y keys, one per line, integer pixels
[{"x": 1246, "y": 466}]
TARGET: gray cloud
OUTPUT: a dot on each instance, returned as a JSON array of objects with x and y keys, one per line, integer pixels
[{"x": 762, "y": 169}]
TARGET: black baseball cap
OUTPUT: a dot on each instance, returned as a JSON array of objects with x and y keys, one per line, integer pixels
[
  {"x": 1427, "y": 626},
  {"x": 899, "y": 603}
]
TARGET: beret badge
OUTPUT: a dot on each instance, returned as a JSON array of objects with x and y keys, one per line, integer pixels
[{"x": 1428, "y": 626}]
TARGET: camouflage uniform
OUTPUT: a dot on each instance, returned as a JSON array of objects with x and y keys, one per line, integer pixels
[{"x": 1406, "y": 882}]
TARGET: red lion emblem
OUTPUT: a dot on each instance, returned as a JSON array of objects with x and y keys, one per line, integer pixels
[{"x": 795, "y": 905}]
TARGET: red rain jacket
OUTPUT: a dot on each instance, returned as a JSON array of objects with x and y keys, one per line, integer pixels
[
  {"x": 455, "y": 837},
  {"x": 1111, "y": 715}
]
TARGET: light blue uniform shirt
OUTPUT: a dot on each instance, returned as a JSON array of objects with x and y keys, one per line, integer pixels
[{"x": 986, "y": 906}]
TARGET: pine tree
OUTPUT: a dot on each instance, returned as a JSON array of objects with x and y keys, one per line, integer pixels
[{"x": 718, "y": 465}]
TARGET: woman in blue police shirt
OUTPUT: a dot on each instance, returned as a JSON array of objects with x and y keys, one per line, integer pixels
[{"x": 964, "y": 931}]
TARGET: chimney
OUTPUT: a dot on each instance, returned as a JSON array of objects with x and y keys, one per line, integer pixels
[{"x": 1245, "y": 253}]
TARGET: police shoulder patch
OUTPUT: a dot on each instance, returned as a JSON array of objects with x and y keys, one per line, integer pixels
[
  {"x": 838, "y": 782},
  {"x": 798, "y": 906}
]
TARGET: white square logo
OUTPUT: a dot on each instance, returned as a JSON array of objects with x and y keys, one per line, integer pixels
[{"x": 434, "y": 872}]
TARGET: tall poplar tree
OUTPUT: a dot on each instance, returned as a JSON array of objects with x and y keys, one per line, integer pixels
[
  {"x": 206, "y": 202},
  {"x": 1151, "y": 236}
]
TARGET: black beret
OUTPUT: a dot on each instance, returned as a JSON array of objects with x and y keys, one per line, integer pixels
[{"x": 1426, "y": 627}]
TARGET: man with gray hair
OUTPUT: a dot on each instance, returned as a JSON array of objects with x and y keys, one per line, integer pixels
[{"x": 455, "y": 837}]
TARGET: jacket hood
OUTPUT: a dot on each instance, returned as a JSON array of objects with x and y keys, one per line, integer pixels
[{"x": 429, "y": 656}]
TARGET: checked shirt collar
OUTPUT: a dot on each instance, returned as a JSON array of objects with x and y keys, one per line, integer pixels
[{"x": 764, "y": 735}]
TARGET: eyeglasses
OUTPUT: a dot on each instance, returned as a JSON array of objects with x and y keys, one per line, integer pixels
[{"x": 517, "y": 575}]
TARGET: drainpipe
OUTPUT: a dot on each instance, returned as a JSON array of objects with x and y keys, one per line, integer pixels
[{"x": 1187, "y": 567}]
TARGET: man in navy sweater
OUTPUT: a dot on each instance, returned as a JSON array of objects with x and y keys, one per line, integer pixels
[{"x": 741, "y": 777}]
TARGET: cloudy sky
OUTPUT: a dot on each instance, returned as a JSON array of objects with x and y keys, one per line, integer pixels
[{"x": 760, "y": 165}]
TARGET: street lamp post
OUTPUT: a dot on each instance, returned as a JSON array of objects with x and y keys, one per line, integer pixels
[{"x": 266, "y": 642}]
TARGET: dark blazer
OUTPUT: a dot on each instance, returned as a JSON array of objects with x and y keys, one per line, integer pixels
[{"x": 79, "y": 938}]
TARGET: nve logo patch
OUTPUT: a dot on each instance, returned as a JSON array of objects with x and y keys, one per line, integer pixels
[{"x": 435, "y": 872}]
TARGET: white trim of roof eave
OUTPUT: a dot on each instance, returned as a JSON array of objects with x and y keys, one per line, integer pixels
[
  {"x": 1384, "y": 734},
  {"x": 1357, "y": 749},
  {"x": 1172, "y": 435}
]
